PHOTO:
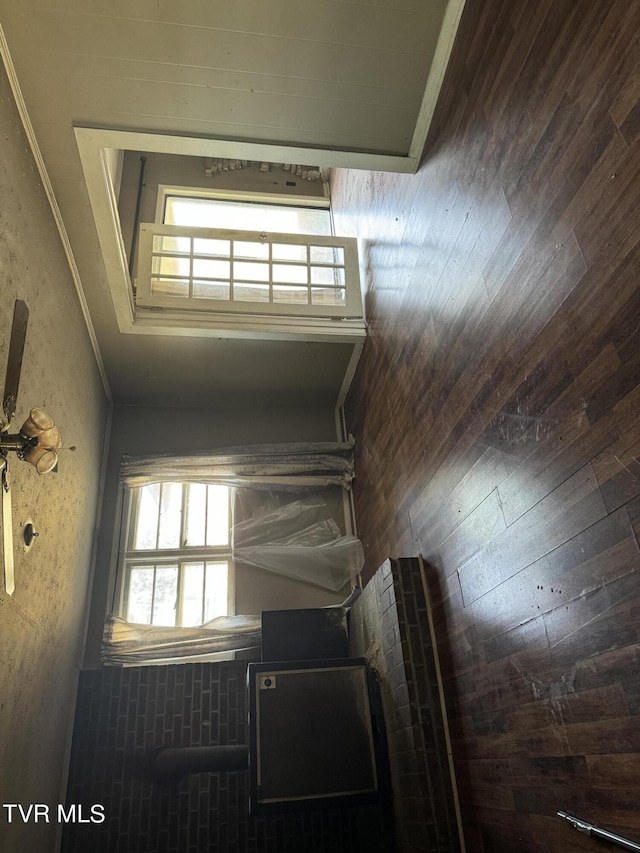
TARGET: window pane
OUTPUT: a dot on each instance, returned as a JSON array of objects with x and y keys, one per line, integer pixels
[
  {"x": 256, "y": 251},
  {"x": 289, "y": 252},
  {"x": 205, "y": 268},
  {"x": 170, "y": 286},
  {"x": 327, "y": 275},
  {"x": 328, "y": 296},
  {"x": 326, "y": 254},
  {"x": 290, "y": 295},
  {"x": 165, "y": 243},
  {"x": 250, "y": 271},
  {"x": 196, "y": 514},
  {"x": 245, "y": 292},
  {"x": 167, "y": 265},
  {"x": 140, "y": 594},
  {"x": 290, "y": 273},
  {"x": 205, "y": 246},
  {"x": 164, "y": 599},
  {"x": 147, "y": 522},
  {"x": 218, "y": 522},
  {"x": 246, "y": 216},
  {"x": 170, "y": 516},
  {"x": 212, "y": 290},
  {"x": 216, "y": 590},
  {"x": 192, "y": 594}
]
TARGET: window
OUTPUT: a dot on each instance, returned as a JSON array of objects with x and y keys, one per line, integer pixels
[
  {"x": 251, "y": 261},
  {"x": 203, "y": 212},
  {"x": 176, "y": 567},
  {"x": 239, "y": 267}
]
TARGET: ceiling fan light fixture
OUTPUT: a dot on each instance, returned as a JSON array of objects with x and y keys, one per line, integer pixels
[
  {"x": 43, "y": 459},
  {"x": 37, "y": 423},
  {"x": 44, "y": 439},
  {"x": 50, "y": 438}
]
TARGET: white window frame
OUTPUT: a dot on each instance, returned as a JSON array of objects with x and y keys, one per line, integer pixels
[
  {"x": 95, "y": 146},
  {"x": 129, "y": 556},
  {"x": 346, "y": 267}
]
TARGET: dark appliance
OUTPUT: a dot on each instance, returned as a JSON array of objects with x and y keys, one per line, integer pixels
[
  {"x": 313, "y": 633},
  {"x": 313, "y": 737}
]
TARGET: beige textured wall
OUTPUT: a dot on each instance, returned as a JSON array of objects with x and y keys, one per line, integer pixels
[{"x": 42, "y": 624}]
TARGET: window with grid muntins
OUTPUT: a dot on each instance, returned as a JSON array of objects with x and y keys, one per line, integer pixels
[
  {"x": 190, "y": 268},
  {"x": 176, "y": 567}
]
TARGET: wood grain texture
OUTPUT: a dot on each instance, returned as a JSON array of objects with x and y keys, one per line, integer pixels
[{"x": 496, "y": 409}]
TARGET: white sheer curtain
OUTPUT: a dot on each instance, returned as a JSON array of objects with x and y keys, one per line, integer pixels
[
  {"x": 295, "y": 466},
  {"x": 127, "y": 644},
  {"x": 282, "y": 524},
  {"x": 296, "y": 538}
]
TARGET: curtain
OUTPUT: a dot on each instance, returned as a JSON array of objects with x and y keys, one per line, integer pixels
[
  {"x": 128, "y": 644},
  {"x": 299, "y": 539},
  {"x": 296, "y": 466},
  {"x": 282, "y": 524}
]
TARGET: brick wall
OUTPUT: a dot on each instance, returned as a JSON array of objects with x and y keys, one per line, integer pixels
[
  {"x": 424, "y": 697},
  {"x": 124, "y": 716},
  {"x": 389, "y": 626}
]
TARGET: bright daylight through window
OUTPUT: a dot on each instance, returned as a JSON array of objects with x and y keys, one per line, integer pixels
[
  {"x": 177, "y": 564},
  {"x": 253, "y": 258},
  {"x": 247, "y": 216}
]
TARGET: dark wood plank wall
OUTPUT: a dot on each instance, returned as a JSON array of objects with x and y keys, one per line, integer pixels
[{"x": 496, "y": 408}]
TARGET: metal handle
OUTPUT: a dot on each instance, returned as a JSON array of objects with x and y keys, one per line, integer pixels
[{"x": 597, "y": 832}]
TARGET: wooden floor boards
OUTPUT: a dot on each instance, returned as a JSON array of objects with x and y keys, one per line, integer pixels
[{"x": 496, "y": 409}]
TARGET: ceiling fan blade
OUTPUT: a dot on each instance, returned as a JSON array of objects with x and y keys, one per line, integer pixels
[
  {"x": 14, "y": 361},
  {"x": 7, "y": 533}
]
